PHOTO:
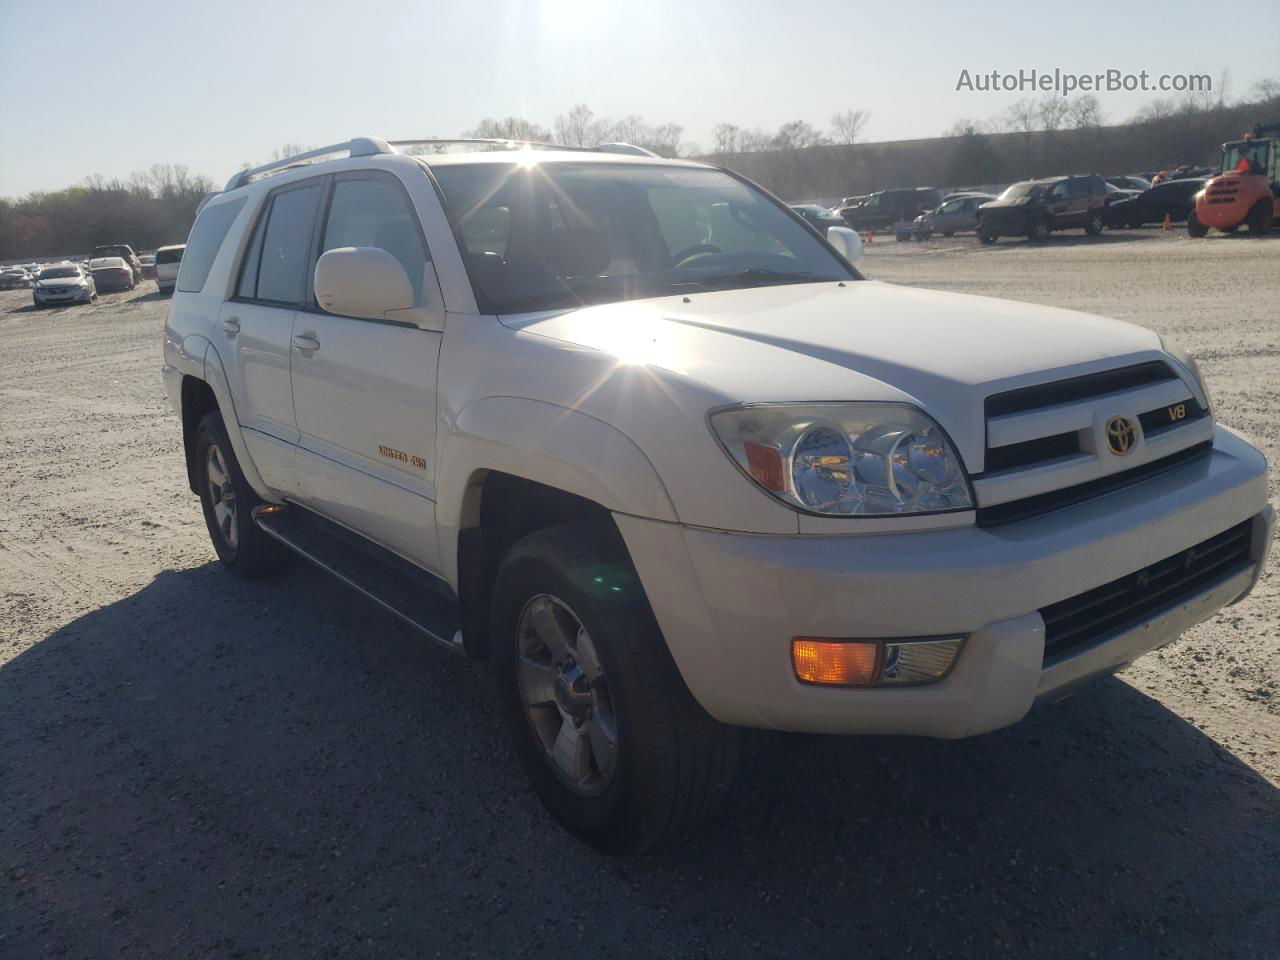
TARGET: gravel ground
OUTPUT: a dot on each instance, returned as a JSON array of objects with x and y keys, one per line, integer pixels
[{"x": 191, "y": 766}]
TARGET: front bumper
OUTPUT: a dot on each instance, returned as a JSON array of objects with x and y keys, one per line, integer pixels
[{"x": 729, "y": 603}]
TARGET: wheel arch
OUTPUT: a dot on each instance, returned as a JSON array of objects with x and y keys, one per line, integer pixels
[{"x": 513, "y": 466}]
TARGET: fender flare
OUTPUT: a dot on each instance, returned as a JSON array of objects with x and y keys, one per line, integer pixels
[
  {"x": 548, "y": 444},
  {"x": 216, "y": 377}
]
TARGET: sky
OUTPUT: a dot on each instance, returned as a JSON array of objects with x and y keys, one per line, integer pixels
[{"x": 94, "y": 88}]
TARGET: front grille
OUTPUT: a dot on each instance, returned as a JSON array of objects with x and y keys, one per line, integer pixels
[
  {"x": 1095, "y": 615},
  {"x": 1028, "y": 507}
]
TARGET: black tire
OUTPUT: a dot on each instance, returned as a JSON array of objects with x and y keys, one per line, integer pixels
[
  {"x": 1094, "y": 226},
  {"x": 1038, "y": 232},
  {"x": 1194, "y": 227},
  {"x": 1259, "y": 217},
  {"x": 672, "y": 762},
  {"x": 240, "y": 544}
]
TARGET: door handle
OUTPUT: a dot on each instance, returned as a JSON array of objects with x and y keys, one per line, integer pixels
[
  {"x": 231, "y": 325},
  {"x": 305, "y": 343}
]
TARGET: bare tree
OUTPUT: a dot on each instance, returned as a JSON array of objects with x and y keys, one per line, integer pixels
[
  {"x": 847, "y": 125},
  {"x": 1160, "y": 108},
  {"x": 580, "y": 128},
  {"x": 796, "y": 135},
  {"x": 1084, "y": 112},
  {"x": 1051, "y": 111},
  {"x": 966, "y": 126},
  {"x": 726, "y": 137},
  {"x": 1265, "y": 90},
  {"x": 754, "y": 140},
  {"x": 508, "y": 128}
]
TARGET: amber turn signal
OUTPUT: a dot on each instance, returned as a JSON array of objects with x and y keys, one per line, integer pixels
[{"x": 849, "y": 663}]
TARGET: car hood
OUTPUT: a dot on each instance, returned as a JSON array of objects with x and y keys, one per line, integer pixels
[{"x": 865, "y": 340}]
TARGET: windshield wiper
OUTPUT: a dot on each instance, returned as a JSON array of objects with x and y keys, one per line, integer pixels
[{"x": 752, "y": 277}]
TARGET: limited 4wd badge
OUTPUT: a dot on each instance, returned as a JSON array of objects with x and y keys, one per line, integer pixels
[{"x": 391, "y": 453}]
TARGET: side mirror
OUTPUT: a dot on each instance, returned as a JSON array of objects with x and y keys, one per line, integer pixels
[
  {"x": 362, "y": 282},
  {"x": 847, "y": 242}
]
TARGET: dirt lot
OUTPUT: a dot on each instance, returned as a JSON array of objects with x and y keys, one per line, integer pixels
[{"x": 191, "y": 766}]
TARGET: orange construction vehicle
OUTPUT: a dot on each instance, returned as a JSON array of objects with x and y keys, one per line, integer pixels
[{"x": 1248, "y": 189}]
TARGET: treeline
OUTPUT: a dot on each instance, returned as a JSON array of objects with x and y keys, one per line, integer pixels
[
  {"x": 798, "y": 160},
  {"x": 1032, "y": 138},
  {"x": 151, "y": 208}
]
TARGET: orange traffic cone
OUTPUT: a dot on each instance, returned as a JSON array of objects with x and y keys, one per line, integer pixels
[
  {"x": 871, "y": 236},
  {"x": 1168, "y": 223}
]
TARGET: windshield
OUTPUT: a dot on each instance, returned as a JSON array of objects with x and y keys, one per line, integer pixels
[
  {"x": 561, "y": 235},
  {"x": 1250, "y": 153},
  {"x": 1019, "y": 190},
  {"x": 59, "y": 273},
  {"x": 111, "y": 251}
]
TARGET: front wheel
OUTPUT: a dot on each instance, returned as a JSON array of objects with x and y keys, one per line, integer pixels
[
  {"x": 1094, "y": 226},
  {"x": 1194, "y": 227},
  {"x": 1039, "y": 231},
  {"x": 228, "y": 500},
  {"x": 1259, "y": 217},
  {"x": 616, "y": 747}
]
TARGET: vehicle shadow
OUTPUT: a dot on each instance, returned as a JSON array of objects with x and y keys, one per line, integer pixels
[
  {"x": 216, "y": 768},
  {"x": 148, "y": 297}
]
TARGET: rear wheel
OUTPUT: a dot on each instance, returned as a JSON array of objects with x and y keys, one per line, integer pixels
[
  {"x": 1194, "y": 227},
  {"x": 1094, "y": 226},
  {"x": 987, "y": 236},
  {"x": 614, "y": 744},
  {"x": 228, "y": 501},
  {"x": 1259, "y": 217}
]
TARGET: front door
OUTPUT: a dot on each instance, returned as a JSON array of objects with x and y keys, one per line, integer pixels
[{"x": 364, "y": 390}]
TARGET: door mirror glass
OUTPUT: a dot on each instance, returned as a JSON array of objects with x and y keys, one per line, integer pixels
[
  {"x": 847, "y": 242},
  {"x": 365, "y": 282}
]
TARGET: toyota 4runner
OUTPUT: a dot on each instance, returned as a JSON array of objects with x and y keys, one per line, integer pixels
[{"x": 633, "y": 431}]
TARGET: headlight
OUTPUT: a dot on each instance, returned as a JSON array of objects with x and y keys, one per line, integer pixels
[
  {"x": 1188, "y": 362},
  {"x": 846, "y": 459}
]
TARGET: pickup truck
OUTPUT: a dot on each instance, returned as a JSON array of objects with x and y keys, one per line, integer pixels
[{"x": 634, "y": 432}]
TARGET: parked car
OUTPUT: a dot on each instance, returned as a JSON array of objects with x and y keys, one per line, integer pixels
[
  {"x": 820, "y": 217},
  {"x": 14, "y": 278},
  {"x": 1132, "y": 182},
  {"x": 124, "y": 252},
  {"x": 111, "y": 274},
  {"x": 62, "y": 283},
  {"x": 629, "y": 431},
  {"x": 888, "y": 208},
  {"x": 1174, "y": 198},
  {"x": 168, "y": 260},
  {"x": 1035, "y": 208},
  {"x": 959, "y": 212},
  {"x": 148, "y": 261}
]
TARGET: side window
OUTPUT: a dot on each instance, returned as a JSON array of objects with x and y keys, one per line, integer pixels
[
  {"x": 248, "y": 286},
  {"x": 286, "y": 245},
  {"x": 207, "y": 234},
  {"x": 374, "y": 212},
  {"x": 1059, "y": 191},
  {"x": 1078, "y": 188}
]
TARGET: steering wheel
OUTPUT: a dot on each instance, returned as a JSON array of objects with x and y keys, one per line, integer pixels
[{"x": 689, "y": 252}]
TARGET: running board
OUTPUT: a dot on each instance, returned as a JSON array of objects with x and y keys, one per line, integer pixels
[{"x": 421, "y": 600}]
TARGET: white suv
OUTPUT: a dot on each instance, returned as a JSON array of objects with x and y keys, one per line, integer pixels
[{"x": 636, "y": 433}]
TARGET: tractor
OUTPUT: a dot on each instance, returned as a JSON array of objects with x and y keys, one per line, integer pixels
[{"x": 1247, "y": 191}]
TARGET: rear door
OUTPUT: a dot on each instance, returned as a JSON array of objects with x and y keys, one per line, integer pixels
[
  {"x": 365, "y": 390},
  {"x": 257, "y": 324}
]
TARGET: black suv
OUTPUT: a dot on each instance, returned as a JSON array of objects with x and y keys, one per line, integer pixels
[
  {"x": 884, "y": 209},
  {"x": 1035, "y": 208}
]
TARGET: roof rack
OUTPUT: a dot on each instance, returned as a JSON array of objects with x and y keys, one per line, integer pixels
[
  {"x": 357, "y": 147},
  {"x": 372, "y": 146}
]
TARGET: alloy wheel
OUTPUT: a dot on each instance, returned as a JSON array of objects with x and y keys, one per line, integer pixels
[
  {"x": 222, "y": 495},
  {"x": 565, "y": 695}
]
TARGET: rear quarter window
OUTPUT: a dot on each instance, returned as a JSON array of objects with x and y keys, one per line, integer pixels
[{"x": 207, "y": 235}]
